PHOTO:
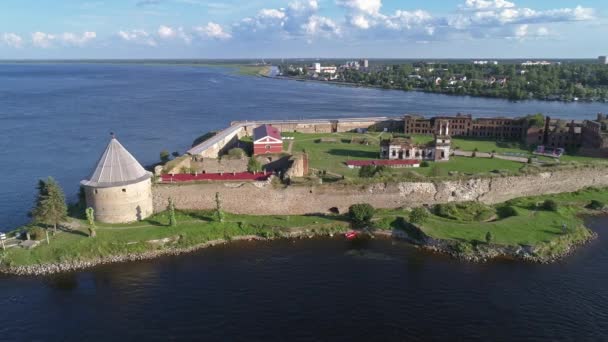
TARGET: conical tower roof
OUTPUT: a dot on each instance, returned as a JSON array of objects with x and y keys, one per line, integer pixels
[{"x": 116, "y": 167}]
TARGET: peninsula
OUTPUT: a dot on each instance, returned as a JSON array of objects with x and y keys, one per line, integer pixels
[{"x": 476, "y": 188}]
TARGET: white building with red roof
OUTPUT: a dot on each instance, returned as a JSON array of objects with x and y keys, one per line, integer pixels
[{"x": 267, "y": 139}]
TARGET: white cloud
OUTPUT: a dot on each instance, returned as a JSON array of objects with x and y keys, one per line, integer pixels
[
  {"x": 75, "y": 39},
  {"x": 213, "y": 30},
  {"x": 488, "y": 4},
  {"x": 167, "y": 32},
  {"x": 42, "y": 39},
  {"x": 138, "y": 37},
  {"x": 303, "y": 7},
  {"x": 369, "y": 7},
  {"x": 321, "y": 26},
  {"x": 272, "y": 13},
  {"x": 12, "y": 40}
]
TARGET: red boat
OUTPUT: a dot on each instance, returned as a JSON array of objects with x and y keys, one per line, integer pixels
[{"x": 351, "y": 235}]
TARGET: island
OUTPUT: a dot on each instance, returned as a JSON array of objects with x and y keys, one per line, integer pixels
[{"x": 474, "y": 188}]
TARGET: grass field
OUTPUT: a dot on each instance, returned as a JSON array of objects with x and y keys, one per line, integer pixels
[
  {"x": 194, "y": 227},
  {"x": 330, "y": 156},
  {"x": 329, "y": 151},
  {"x": 532, "y": 224}
]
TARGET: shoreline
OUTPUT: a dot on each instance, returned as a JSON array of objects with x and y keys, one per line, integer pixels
[
  {"x": 480, "y": 254},
  {"x": 420, "y": 90}
]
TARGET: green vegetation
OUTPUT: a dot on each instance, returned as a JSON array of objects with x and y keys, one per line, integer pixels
[
  {"x": 219, "y": 213},
  {"x": 50, "y": 208},
  {"x": 550, "y": 205},
  {"x": 596, "y": 205},
  {"x": 164, "y": 156},
  {"x": 419, "y": 215},
  {"x": 465, "y": 211},
  {"x": 564, "y": 82},
  {"x": 533, "y": 225},
  {"x": 193, "y": 228},
  {"x": 90, "y": 214},
  {"x": 254, "y": 165},
  {"x": 361, "y": 213},
  {"x": 369, "y": 171},
  {"x": 236, "y": 153},
  {"x": 171, "y": 211}
]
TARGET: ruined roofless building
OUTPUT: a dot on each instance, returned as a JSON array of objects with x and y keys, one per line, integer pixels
[
  {"x": 406, "y": 149},
  {"x": 119, "y": 189}
]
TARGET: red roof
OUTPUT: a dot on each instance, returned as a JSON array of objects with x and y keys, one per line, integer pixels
[
  {"x": 227, "y": 176},
  {"x": 382, "y": 162},
  {"x": 266, "y": 131}
]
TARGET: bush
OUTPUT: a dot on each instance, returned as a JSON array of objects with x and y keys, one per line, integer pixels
[
  {"x": 254, "y": 165},
  {"x": 425, "y": 164},
  {"x": 550, "y": 205},
  {"x": 506, "y": 211},
  {"x": 361, "y": 213},
  {"x": 369, "y": 171},
  {"x": 164, "y": 156},
  {"x": 236, "y": 153},
  {"x": 419, "y": 215},
  {"x": 596, "y": 205},
  {"x": 37, "y": 233},
  {"x": 489, "y": 237}
]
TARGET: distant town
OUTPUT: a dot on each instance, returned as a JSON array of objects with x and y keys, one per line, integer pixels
[{"x": 530, "y": 79}]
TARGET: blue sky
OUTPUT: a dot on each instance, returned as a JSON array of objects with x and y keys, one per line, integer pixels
[{"x": 302, "y": 28}]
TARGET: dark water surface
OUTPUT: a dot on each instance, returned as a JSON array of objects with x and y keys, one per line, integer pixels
[
  {"x": 55, "y": 119},
  {"x": 320, "y": 289}
]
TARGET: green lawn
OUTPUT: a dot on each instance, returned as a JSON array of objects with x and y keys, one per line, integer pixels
[
  {"x": 531, "y": 226},
  {"x": 194, "y": 227},
  {"x": 331, "y": 155}
]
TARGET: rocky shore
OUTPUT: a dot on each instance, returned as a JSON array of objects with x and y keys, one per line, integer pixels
[
  {"x": 464, "y": 251},
  {"x": 76, "y": 265},
  {"x": 482, "y": 252}
]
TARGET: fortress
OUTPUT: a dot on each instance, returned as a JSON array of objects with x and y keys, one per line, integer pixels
[{"x": 120, "y": 190}]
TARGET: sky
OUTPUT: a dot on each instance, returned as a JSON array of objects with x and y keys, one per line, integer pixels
[{"x": 70, "y": 29}]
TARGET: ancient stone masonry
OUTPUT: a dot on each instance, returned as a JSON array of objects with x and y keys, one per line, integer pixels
[{"x": 268, "y": 199}]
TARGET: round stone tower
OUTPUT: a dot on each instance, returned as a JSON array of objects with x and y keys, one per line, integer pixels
[{"x": 119, "y": 189}]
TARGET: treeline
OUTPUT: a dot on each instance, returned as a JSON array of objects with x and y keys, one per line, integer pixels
[{"x": 566, "y": 82}]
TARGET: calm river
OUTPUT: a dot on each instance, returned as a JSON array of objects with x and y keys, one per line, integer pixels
[
  {"x": 55, "y": 120},
  {"x": 320, "y": 289}
]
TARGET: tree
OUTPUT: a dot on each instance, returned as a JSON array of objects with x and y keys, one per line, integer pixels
[
  {"x": 171, "y": 209},
  {"x": 175, "y": 154},
  {"x": 90, "y": 212},
  {"x": 419, "y": 215},
  {"x": 550, "y": 205},
  {"x": 361, "y": 213},
  {"x": 254, "y": 165},
  {"x": 164, "y": 156},
  {"x": 50, "y": 208},
  {"x": 367, "y": 171},
  {"x": 219, "y": 214},
  {"x": 489, "y": 237}
]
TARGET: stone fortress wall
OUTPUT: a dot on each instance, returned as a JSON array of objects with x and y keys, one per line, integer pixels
[{"x": 264, "y": 198}]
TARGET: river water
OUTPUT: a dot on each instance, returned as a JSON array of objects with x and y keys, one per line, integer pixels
[
  {"x": 319, "y": 289},
  {"x": 55, "y": 120}
]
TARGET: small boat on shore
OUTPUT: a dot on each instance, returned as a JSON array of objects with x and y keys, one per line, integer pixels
[{"x": 351, "y": 235}]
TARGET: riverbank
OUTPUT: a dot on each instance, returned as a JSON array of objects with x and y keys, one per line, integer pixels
[
  {"x": 439, "y": 92},
  {"x": 527, "y": 232}
]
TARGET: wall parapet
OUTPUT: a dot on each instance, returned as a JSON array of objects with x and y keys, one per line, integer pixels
[{"x": 269, "y": 199}]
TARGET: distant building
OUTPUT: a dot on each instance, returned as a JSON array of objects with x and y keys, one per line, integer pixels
[
  {"x": 603, "y": 59},
  {"x": 316, "y": 68},
  {"x": 536, "y": 63},
  {"x": 364, "y": 63},
  {"x": 485, "y": 62},
  {"x": 267, "y": 139}
]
